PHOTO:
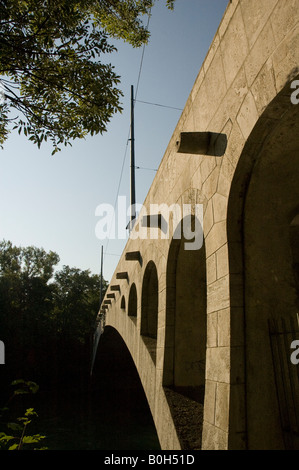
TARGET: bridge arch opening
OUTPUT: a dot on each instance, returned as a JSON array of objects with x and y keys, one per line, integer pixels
[
  {"x": 186, "y": 337},
  {"x": 263, "y": 241},
  {"x": 123, "y": 418},
  {"x": 132, "y": 303},
  {"x": 123, "y": 303},
  {"x": 149, "y": 308}
]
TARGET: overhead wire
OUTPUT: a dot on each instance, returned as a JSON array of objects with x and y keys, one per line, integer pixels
[
  {"x": 158, "y": 104},
  {"x": 125, "y": 153},
  {"x": 128, "y": 138},
  {"x": 143, "y": 168}
]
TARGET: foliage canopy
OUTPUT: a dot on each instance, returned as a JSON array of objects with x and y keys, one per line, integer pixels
[{"x": 55, "y": 83}]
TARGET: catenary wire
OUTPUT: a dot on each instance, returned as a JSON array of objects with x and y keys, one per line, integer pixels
[{"x": 125, "y": 153}]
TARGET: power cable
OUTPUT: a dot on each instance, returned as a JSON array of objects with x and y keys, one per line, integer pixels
[
  {"x": 143, "y": 168},
  {"x": 112, "y": 254},
  {"x": 158, "y": 104},
  {"x": 125, "y": 153}
]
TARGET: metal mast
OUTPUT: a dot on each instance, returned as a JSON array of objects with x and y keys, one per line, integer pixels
[
  {"x": 133, "y": 201},
  {"x": 101, "y": 284}
]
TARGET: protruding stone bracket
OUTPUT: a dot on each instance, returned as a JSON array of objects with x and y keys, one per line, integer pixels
[
  {"x": 133, "y": 256},
  {"x": 152, "y": 220},
  {"x": 123, "y": 275},
  {"x": 202, "y": 143},
  {"x": 115, "y": 288}
]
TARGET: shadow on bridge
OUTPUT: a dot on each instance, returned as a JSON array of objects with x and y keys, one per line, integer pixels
[
  {"x": 118, "y": 390},
  {"x": 185, "y": 343}
]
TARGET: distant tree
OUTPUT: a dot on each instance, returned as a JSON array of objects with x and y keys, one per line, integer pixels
[
  {"x": 54, "y": 82},
  {"x": 29, "y": 262},
  {"x": 25, "y": 292},
  {"x": 45, "y": 316},
  {"x": 76, "y": 302}
]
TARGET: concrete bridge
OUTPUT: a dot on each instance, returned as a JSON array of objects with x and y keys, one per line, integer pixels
[{"x": 209, "y": 322}]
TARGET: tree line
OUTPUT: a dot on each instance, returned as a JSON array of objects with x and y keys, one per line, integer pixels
[{"x": 47, "y": 316}]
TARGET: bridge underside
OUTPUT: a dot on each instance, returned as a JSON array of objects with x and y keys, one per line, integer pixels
[
  {"x": 123, "y": 407},
  {"x": 209, "y": 321}
]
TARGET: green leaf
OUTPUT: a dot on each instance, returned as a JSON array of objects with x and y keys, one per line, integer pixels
[
  {"x": 14, "y": 426},
  {"x": 30, "y": 412},
  {"x": 5, "y": 437},
  {"x": 13, "y": 447},
  {"x": 33, "y": 439},
  {"x": 27, "y": 386},
  {"x": 18, "y": 382}
]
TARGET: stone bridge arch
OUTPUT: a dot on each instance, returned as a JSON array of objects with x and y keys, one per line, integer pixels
[
  {"x": 263, "y": 205},
  {"x": 242, "y": 94},
  {"x": 185, "y": 337},
  {"x": 132, "y": 302},
  {"x": 186, "y": 327},
  {"x": 149, "y": 308}
]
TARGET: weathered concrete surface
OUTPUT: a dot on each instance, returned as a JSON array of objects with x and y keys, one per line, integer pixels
[{"x": 211, "y": 308}]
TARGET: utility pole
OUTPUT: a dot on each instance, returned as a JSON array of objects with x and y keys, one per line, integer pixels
[
  {"x": 133, "y": 201},
  {"x": 101, "y": 280},
  {"x": 99, "y": 329}
]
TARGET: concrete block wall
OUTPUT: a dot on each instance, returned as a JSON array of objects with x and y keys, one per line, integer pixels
[{"x": 253, "y": 56}]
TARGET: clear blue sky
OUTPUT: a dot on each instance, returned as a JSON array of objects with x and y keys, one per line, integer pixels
[{"x": 50, "y": 201}]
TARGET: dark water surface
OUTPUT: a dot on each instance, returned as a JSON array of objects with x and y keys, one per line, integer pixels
[{"x": 108, "y": 412}]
